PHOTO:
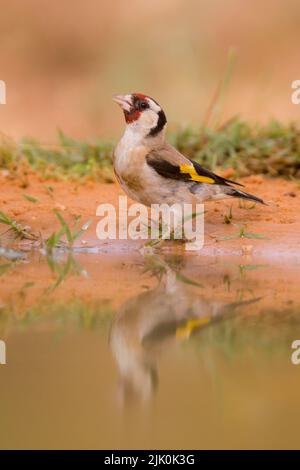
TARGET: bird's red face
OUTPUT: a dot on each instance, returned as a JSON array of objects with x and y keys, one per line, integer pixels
[
  {"x": 133, "y": 105},
  {"x": 143, "y": 112}
]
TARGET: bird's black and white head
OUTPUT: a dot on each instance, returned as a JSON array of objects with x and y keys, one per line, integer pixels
[{"x": 142, "y": 114}]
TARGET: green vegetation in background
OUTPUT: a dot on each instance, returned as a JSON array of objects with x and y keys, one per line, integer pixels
[
  {"x": 61, "y": 315},
  {"x": 270, "y": 331},
  {"x": 68, "y": 159},
  {"x": 273, "y": 149}
]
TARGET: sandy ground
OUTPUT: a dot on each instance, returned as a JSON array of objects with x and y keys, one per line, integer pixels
[
  {"x": 228, "y": 270},
  {"x": 278, "y": 223}
]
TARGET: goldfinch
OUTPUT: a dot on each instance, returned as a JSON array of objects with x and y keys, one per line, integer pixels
[
  {"x": 151, "y": 171},
  {"x": 149, "y": 323}
]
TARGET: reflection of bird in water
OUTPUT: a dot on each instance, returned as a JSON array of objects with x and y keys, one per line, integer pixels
[{"x": 148, "y": 323}]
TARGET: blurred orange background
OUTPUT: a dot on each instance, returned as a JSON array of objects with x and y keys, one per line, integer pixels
[{"x": 63, "y": 60}]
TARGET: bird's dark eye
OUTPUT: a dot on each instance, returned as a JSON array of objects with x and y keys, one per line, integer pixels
[{"x": 143, "y": 105}]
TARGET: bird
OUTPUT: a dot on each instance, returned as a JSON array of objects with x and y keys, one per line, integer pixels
[
  {"x": 151, "y": 171},
  {"x": 153, "y": 322}
]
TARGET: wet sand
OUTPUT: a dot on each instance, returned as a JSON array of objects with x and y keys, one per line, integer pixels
[{"x": 278, "y": 223}]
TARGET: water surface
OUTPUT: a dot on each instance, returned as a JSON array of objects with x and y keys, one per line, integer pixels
[{"x": 119, "y": 351}]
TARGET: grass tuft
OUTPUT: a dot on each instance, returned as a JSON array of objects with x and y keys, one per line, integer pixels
[
  {"x": 242, "y": 233},
  {"x": 71, "y": 234},
  {"x": 272, "y": 149},
  {"x": 68, "y": 159},
  {"x": 17, "y": 230}
]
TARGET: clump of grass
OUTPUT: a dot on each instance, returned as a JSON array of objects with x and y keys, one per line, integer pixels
[
  {"x": 250, "y": 267},
  {"x": 59, "y": 315},
  {"x": 69, "y": 158},
  {"x": 56, "y": 239},
  {"x": 71, "y": 234},
  {"x": 17, "y": 230},
  {"x": 242, "y": 233},
  {"x": 63, "y": 269},
  {"x": 272, "y": 149},
  {"x": 159, "y": 267}
]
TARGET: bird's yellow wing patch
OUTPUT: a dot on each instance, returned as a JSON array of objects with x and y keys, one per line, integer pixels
[
  {"x": 185, "y": 331},
  {"x": 190, "y": 170}
]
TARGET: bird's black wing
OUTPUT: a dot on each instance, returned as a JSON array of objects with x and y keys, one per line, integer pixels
[{"x": 171, "y": 164}]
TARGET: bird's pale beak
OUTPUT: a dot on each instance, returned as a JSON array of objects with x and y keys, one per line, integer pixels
[{"x": 124, "y": 101}]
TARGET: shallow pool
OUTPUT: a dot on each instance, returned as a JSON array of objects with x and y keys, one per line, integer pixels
[{"x": 160, "y": 351}]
